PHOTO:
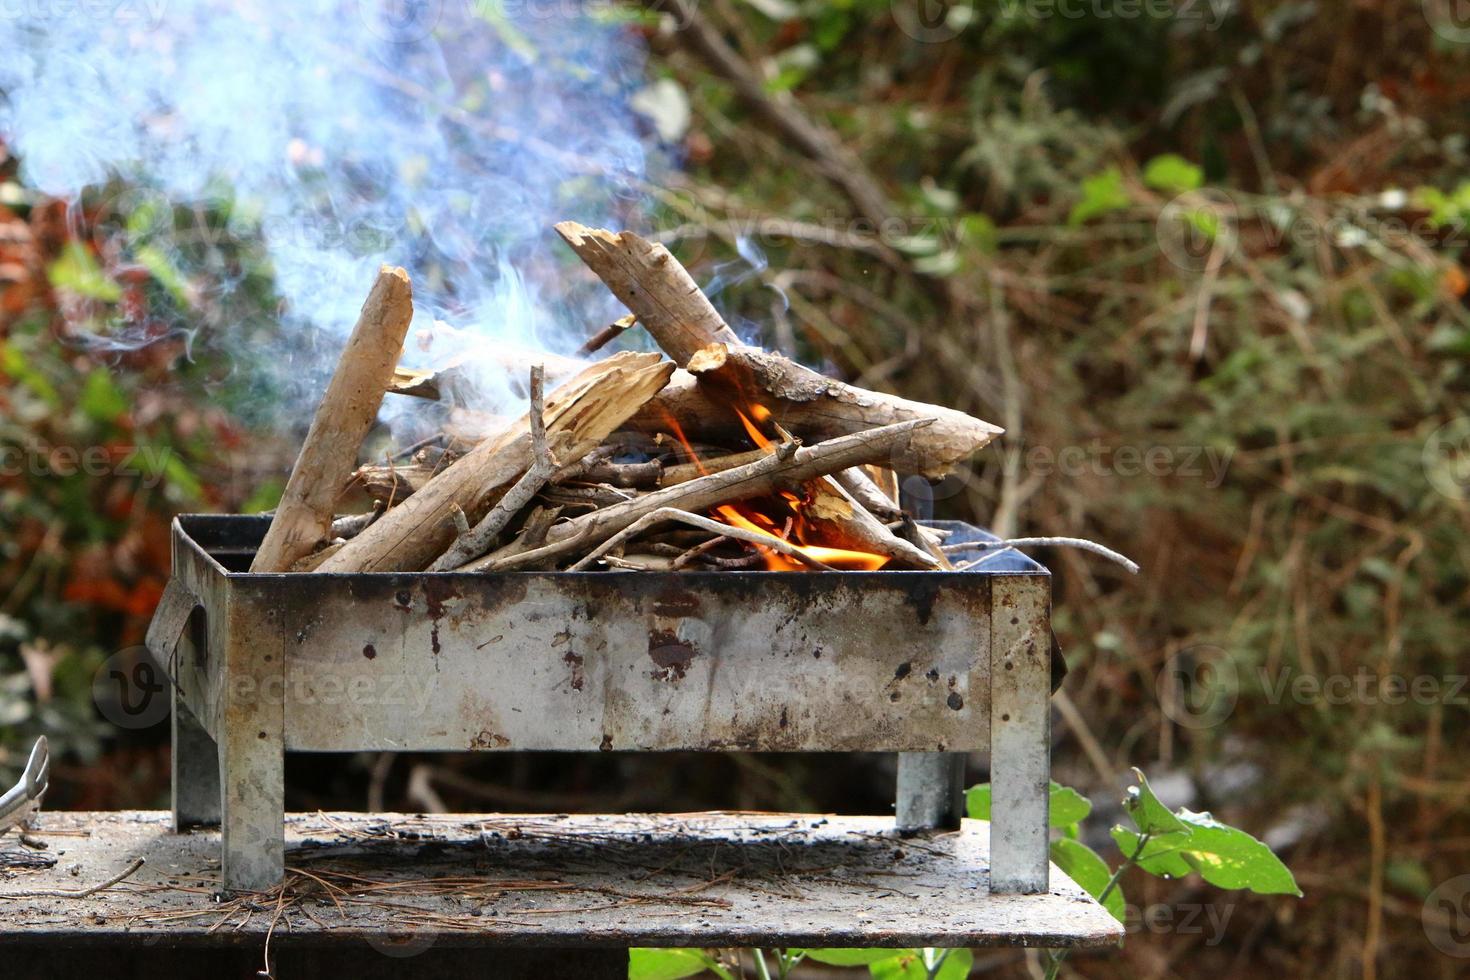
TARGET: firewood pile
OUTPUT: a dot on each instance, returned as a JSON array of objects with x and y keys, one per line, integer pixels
[{"x": 717, "y": 455}]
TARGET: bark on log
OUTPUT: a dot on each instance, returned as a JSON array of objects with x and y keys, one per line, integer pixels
[
  {"x": 347, "y": 410},
  {"x": 579, "y": 415},
  {"x": 810, "y": 404},
  {"x": 648, "y": 280},
  {"x": 766, "y": 475}
]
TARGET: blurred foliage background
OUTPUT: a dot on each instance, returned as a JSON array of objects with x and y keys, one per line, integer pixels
[{"x": 1205, "y": 263}]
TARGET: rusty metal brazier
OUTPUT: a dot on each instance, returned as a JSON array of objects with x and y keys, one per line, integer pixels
[{"x": 927, "y": 664}]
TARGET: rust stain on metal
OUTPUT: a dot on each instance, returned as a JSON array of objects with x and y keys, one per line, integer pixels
[
  {"x": 486, "y": 739},
  {"x": 671, "y": 654},
  {"x": 573, "y": 661},
  {"x": 370, "y": 651}
]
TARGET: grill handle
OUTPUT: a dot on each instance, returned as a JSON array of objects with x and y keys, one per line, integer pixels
[{"x": 169, "y": 621}]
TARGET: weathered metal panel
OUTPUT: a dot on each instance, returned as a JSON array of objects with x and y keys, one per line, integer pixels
[
  {"x": 637, "y": 661},
  {"x": 691, "y": 660}
]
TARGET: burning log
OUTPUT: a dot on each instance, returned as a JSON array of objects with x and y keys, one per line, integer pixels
[
  {"x": 841, "y": 522},
  {"x": 580, "y": 414},
  {"x": 790, "y": 465},
  {"x": 813, "y": 405},
  {"x": 303, "y": 518},
  {"x": 664, "y": 298}
]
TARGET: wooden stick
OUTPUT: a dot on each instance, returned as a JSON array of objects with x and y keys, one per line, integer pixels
[
  {"x": 607, "y": 335},
  {"x": 703, "y": 523},
  {"x": 648, "y": 280},
  {"x": 579, "y": 414},
  {"x": 866, "y": 492},
  {"x": 472, "y": 543},
  {"x": 842, "y": 522},
  {"x": 787, "y": 466},
  {"x": 348, "y": 409},
  {"x": 391, "y": 484},
  {"x": 811, "y": 404},
  {"x": 684, "y": 472}
]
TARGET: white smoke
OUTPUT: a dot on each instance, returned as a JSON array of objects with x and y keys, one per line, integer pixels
[{"x": 445, "y": 136}]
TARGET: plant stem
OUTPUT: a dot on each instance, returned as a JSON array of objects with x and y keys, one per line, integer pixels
[
  {"x": 1058, "y": 957},
  {"x": 761, "y": 970},
  {"x": 938, "y": 964}
]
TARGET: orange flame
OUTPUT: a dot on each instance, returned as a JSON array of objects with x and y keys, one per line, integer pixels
[{"x": 751, "y": 515}]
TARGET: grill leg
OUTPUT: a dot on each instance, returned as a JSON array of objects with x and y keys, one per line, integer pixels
[
  {"x": 252, "y": 751},
  {"x": 195, "y": 771},
  {"x": 931, "y": 790},
  {"x": 253, "y": 828},
  {"x": 1020, "y": 733}
]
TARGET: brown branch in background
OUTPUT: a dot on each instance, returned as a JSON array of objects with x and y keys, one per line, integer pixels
[
  {"x": 303, "y": 518},
  {"x": 819, "y": 144},
  {"x": 789, "y": 465},
  {"x": 473, "y": 542}
]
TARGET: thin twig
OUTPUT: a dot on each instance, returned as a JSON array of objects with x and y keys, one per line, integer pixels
[
  {"x": 83, "y": 892},
  {"x": 1082, "y": 543},
  {"x": 607, "y": 335},
  {"x": 686, "y": 557},
  {"x": 471, "y": 545},
  {"x": 664, "y": 514}
]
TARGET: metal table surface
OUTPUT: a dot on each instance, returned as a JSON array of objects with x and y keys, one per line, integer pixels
[{"x": 402, "y": 884}]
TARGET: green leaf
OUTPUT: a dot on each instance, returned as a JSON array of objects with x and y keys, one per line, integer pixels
[
  {"x": 14, "y": 365},
  {"x": 181, "y": 480},
  {"x": 978, "y": 230},
  {"x": 910, "y": 965},
  {"x": 1102, "y": 193},
  {"x": 1083, "y": 865},
  {"x": 668, "y": 964},
  {"x": 854, "y": 957},
  {"x": 1068, "y": 807},
  {"x": 1149, "y": 815},
  {"x": 162, "y": 268},
  {"x": 1224, "y": 856},
  {"x": 77, "y": 271},
  {"x": 100, "y": 399},
  {"x": 956, "y": 965},
  {"x": 1172, "y": 173}
]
